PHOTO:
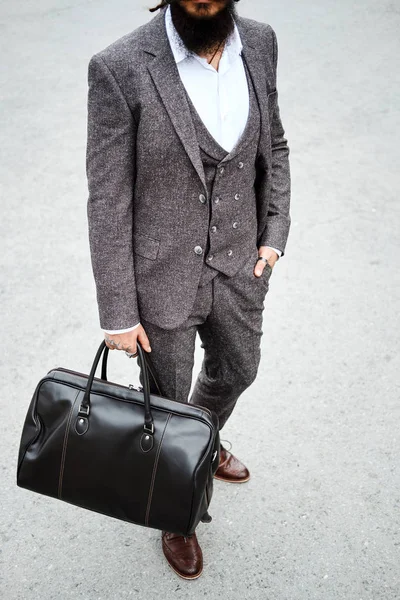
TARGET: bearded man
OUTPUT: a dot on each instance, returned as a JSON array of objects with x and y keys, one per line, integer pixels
[{"x": 188, "y": 208}]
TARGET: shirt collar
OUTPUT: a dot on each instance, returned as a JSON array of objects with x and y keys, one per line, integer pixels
[{"x": 233, "y": 45}]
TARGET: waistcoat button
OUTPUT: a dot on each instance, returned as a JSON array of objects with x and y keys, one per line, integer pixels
[
  {"x": 202, "y": 198},
  {"x": 229, "y": 252},
  {"x": 213, "y": 229},
  {"x": 198, "y": 250},
  {"x": 217, "y": 199},
  {"x": 237, "y": 196},
  {"x": 210, "y": 257},
  {"x": 240, "y": 165},
  {"x": 235, "y": 225},
  {"x": 221, "y": 170}
]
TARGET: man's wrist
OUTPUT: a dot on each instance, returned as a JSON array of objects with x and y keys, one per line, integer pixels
[{"x": 276, "y": 250}]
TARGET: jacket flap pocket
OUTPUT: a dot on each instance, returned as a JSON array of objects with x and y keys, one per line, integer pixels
[{"x": 145, "y": 246}]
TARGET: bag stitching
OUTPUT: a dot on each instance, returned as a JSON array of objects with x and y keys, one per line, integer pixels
[
  {"x": 136, "y": 402},
  {"x": 155, "y": 471},
  {"x": 64, "y": 450},
  {"x": 211, "y": 443},
  {"x": 36, "y": 419}
]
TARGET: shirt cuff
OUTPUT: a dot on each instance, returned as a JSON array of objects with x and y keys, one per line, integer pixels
[
  {"x": 121, "y": 330},
  {"x": 279, "y": 252}
]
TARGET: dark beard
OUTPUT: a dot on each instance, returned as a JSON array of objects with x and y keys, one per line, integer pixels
[{"x": 203, "y": 34}]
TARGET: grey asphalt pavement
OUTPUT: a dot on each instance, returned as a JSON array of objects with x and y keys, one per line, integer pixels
[{"x": 319, "y": 429}]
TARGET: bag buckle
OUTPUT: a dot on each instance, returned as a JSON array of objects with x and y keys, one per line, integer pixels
[
  {"x": 149, "y": 429},
  {"x": 84, "y": 410}
]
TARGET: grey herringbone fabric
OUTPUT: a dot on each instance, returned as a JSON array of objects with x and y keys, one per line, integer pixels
[
  {"x": 213, "y": 156},
  {"x": 231, "y": 342},
  {"x": 148, "y": 223},
  {"x": 228, "y": 315}
]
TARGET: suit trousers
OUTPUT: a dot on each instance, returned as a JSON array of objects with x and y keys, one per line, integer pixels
[{"x": 228, "y": 315}]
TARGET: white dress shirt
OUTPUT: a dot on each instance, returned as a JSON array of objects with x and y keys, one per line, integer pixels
[{"x": 220, "y": 97}]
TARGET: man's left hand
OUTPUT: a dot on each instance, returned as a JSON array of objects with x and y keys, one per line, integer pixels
[{"x": 271, "y": 257}]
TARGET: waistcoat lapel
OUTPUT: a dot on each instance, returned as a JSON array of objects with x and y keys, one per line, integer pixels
[{"x": 166, "y": 78}]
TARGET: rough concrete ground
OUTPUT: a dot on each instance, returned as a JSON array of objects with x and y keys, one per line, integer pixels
[{"x": 319, "y": 429}]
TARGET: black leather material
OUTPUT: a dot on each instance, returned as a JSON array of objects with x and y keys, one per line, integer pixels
[{"x": 122, "y": 452}]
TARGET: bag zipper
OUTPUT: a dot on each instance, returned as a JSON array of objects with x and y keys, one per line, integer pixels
[{"x": 128, "y": 387}]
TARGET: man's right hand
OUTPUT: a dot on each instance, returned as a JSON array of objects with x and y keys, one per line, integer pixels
[{"x": 127, "y": 341}]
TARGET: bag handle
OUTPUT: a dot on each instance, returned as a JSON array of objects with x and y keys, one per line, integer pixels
[
  {"x": 84, "y": 408},
  {"x": 149, "y": 364}
]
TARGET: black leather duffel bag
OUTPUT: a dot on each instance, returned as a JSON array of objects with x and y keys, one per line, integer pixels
[{"x": 120, "y": 451}]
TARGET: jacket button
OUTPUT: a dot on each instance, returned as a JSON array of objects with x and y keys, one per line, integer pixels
[
  {"x": 198, "y": 250},
  {"x": 229, "y": 252},
  {"x": 237, "y": 196},
  {"x": 240, "y": 165},
  {"x": 202, "y": 198},
  {"x": 213, "y": 229},
  {"x": 235, "y": 225}
]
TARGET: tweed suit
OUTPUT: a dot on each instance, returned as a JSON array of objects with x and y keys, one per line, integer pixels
[
  {"x": 227, "y": 312},
  {"x": 175, "y": 221},
  {"x": 146, "y": 180}
]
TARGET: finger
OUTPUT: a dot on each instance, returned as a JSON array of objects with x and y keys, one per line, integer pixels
[
  {"x": 144, "y": 340},
  {"x": 259, "y": 268},
  {"x": 131, "y": 348},
  {"x": 109, "y": 343},
  {"x": 113, "y": 344}
]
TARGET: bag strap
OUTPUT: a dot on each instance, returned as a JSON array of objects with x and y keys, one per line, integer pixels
[
  {"x": 84, "y": 408},
  {"x": 149, "y": 364}
]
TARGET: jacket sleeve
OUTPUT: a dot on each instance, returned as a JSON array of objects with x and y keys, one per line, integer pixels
[
  {"x": 110, "y": 170},
  {"x": 278, "y": 219}
]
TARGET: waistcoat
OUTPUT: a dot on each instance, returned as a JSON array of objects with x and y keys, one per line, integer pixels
[{"x": 229, "y": 202}]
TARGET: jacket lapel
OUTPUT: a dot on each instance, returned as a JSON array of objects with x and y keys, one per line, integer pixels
[
  {"x": 256, "y": 66},
  {"x": 166, "y": 78}
]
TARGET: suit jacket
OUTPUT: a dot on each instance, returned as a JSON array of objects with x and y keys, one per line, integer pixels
[{"x": 145, "y": 177}]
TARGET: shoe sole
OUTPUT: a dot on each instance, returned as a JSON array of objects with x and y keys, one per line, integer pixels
[
  {"x": 185, "y": 576},
  {"x": 232, "y": 480}
]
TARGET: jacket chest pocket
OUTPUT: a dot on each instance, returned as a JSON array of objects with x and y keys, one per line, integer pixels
[{"x": 145, "y": 246}]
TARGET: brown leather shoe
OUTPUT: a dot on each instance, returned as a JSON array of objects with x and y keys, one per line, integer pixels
[
  {"x": 230, "y": 468},
  {"x": 183, "y": 554}
]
